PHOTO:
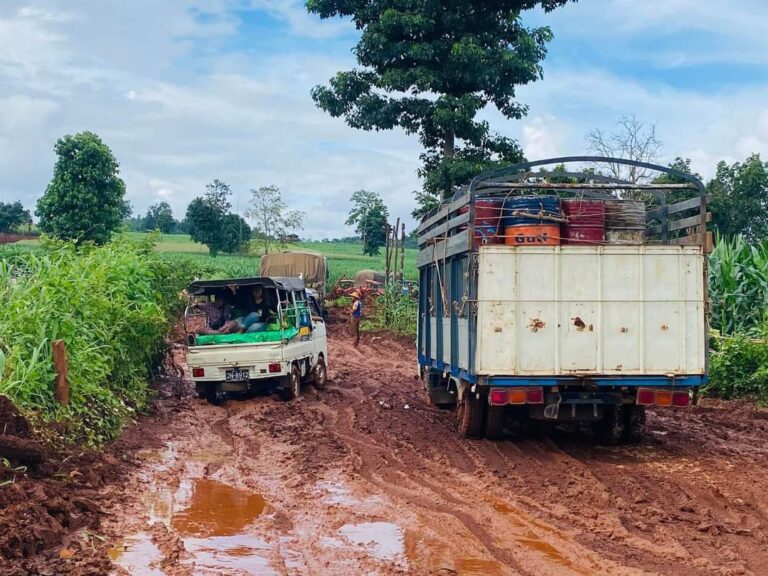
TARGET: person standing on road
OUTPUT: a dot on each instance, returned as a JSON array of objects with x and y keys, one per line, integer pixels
[{"x": 356, "y": 313}]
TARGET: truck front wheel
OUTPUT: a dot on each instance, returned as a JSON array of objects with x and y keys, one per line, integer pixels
[
  {"x": 320, "y": 374},
  {"x": 469, "y": 416},
  {"x": 291, "y": 385}
]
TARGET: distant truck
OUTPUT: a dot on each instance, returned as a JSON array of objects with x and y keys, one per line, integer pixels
[
  {"x": 311, "y": 267},
  {"x": 550, "y": 300},
  {"x": 280, "y": 357}
]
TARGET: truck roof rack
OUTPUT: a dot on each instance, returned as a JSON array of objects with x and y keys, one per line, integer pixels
[{"x": 449, "y": 227}]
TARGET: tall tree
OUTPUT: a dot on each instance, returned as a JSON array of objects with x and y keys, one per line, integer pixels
[
  {"x": 273, "y": 221},
  {"x": 85, "y": 199},
  {"x": 13, "y": 216},
  {"x": 160, "y": 217},
  {"x": 630, "y": 140},
  {"x": 740, "y": 198},
  {"x": 429, "y": 68},
  {"x": 206, "y": 214},
  {"x": 369, "y": 217}
]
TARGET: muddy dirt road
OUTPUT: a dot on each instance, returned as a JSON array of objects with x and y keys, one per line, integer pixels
[{"x": 365, "y": 478}]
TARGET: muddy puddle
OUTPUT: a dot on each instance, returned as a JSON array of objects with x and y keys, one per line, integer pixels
[{"x": 212, "y": 519}]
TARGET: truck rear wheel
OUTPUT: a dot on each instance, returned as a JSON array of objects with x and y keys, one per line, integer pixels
[
  {"x": 634, "y": 423},
  {"x": 495, "y": 417},
  {"x": 291, "y": 385},
  {"x": 469, "y": 416},
  {"x": 610, "y": 429}
]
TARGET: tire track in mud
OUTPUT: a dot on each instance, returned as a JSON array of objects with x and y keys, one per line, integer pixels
[{"x": 369, "y": 453}]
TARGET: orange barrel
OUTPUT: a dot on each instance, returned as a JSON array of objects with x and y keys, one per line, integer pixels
[
  {"x": 585, "y": 222},
  {"x": 532, "y": 221}
]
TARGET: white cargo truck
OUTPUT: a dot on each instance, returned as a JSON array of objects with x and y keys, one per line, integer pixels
[
  {"x": 277, "y": 344},
  {"x": 533, "y": 314}
]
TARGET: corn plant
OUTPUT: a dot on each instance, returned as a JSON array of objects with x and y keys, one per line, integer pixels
[{"x": 738, "y": 286}]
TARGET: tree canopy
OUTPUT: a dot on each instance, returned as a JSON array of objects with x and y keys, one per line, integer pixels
[
  {"x": 160, "y": 217},
  {"x": 273, "y": 221},
  {"x": 740, "y": 198},
  {"x": 429, "y": 68},
  {"x": 210, "y": 222},
  {"x": 369, "y": 217},
  {"x": 13, "y": 216},
  {"x": 85, "y": 199}
]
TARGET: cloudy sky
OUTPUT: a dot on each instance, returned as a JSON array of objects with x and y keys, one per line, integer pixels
[{"x": 185, "y": 91}]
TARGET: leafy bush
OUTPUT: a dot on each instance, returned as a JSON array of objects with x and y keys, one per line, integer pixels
[
  {"x": 738, "y": 368},
  {"x": 111, "y": 305}
]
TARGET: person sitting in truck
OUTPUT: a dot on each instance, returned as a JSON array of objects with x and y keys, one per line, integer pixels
[
  {"x": 259, "y": 315},
  {"x": 218, "y": 312}
]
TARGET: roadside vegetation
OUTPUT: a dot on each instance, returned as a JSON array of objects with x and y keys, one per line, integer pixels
[
  {"x": 112, "y": 305},
  {"x": 738, "y": 292}
]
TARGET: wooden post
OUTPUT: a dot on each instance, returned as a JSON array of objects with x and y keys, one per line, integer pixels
[
  {"x": 386, "y": 254},
  {"x": 60, "y": 364},
  {"x": 394, "y": 250},
  {"x": 402, "y": 257}
]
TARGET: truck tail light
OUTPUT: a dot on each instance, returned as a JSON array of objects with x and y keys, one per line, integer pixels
[
  {"x": 498, "y": 396},
  {"x": 663, "y": 398},
  {"x": 534, "y": 395},
  {"x": 517, "y": 395},
  {"x": 198, "y": 372},
  {"x": 646, "y": 396},
  {"x": 681, "y": 399},
  {"x": 274, "y": 368}
]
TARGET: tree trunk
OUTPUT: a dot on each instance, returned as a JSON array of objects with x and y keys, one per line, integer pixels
[{"x": 449, "y": 145}]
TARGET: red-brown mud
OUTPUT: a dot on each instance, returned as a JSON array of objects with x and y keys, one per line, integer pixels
[{"x": 366, "y": 478}]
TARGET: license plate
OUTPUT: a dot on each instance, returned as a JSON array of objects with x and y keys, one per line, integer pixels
[{"x": 236, "y": 375}]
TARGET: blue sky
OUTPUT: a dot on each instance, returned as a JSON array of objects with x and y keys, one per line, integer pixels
[{"x": 185, "y": 91}]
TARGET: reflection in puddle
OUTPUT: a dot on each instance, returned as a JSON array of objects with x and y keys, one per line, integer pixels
[
  {"x": 337, "y": 494},
  {"x": 240, "y": 554},
  {"x": 382, "y": 540},
  {"x": 216, "y": 509},
  {"x": 138, "y": 555}
]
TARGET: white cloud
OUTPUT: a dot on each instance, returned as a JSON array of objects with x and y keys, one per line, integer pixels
[
  {"x": 543, "y": 137},
  {"x": 301, "y": 22}
]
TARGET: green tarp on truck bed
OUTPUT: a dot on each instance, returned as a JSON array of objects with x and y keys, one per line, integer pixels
[{"x": 246, "y": 337}]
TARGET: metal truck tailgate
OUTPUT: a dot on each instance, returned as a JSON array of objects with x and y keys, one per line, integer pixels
[
  {"x": 234, "y": 354},
  {"x": 609, "y": 310}
]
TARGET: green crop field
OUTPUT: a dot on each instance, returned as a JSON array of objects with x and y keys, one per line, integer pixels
[{"x": 344, "y": 260}]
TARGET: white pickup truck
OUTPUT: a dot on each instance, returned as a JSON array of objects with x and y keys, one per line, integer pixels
[{"x": 279, "y": 353}]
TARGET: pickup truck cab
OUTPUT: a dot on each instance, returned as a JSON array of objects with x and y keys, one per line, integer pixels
[{"x": 277, "y": 354}]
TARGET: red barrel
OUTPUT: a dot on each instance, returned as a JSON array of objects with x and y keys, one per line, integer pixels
[
  {"x": 489, "y": 215},
  {"x": 585, "y": 222}
]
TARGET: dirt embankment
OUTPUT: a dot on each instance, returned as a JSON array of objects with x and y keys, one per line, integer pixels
[{"x": 365, "y": 477}]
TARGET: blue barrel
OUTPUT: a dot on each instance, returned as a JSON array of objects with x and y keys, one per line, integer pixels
[{"x": 529, "y": 221}]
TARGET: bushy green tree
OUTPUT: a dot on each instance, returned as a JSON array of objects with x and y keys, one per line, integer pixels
[
  {"x": 85, "y": 199},
  {"x": 429, "y": 68},
  {"x": 740, "y": 198},
  {"x": 13, "y": 216},
  {"x": 237, "y": 234},
  {"x": 369, "y": 217},
  {"x": 206, "y": 215},
  {"x": 160, "y": 217}
]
